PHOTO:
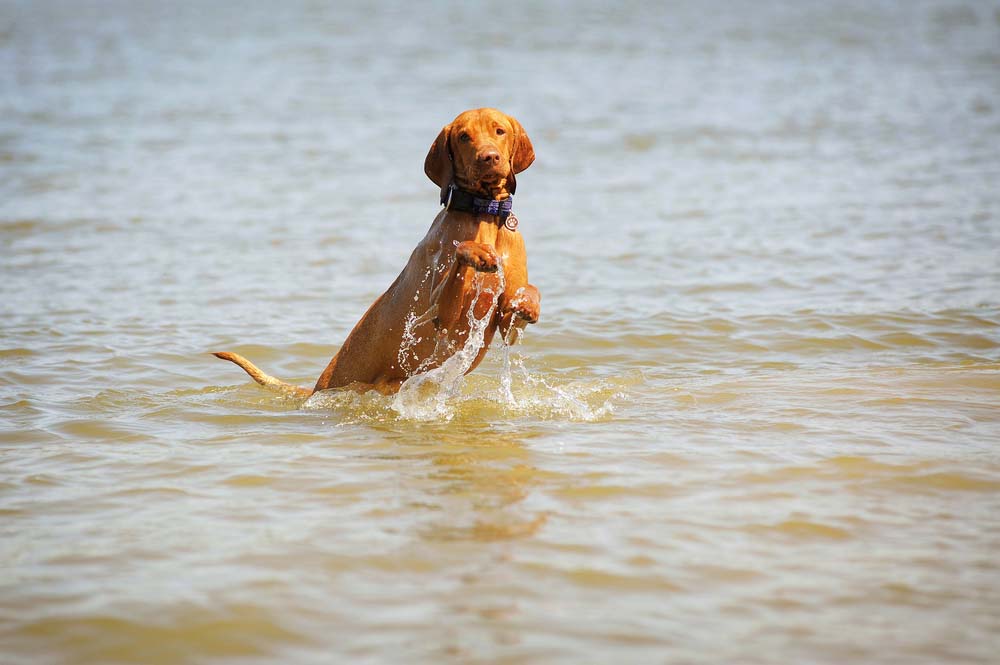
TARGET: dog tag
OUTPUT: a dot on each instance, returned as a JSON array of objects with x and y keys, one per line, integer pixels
[{"x": 511, "y": 222}]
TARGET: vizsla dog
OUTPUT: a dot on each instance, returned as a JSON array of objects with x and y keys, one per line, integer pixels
[{"x": 472, "y": 258}]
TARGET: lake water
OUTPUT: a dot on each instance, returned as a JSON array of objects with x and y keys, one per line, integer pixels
[{"x": 758, "y": 421}]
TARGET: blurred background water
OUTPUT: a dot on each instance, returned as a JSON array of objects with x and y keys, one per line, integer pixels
[{"x": 758, "y": 421}]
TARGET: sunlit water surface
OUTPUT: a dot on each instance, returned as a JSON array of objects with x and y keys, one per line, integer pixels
[{"x": 757, "y": 423}]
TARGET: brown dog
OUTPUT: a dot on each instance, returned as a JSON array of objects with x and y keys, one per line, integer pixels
[{"x": 471, "y": 258}]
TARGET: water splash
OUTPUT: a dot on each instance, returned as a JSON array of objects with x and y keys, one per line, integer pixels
[
  {"x": 406, "y": 354},
  {"x": 440, "y": 393},
  {"x": 506, "y": 378},
  {"x": 410, "y": 340},
  {"x": 429, "y": 395},
  {"x": 524, "y": 393}
]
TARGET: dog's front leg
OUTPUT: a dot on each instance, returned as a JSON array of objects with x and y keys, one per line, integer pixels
[
  {"x": 520, "y": 302},
  {"x": 518, "y": 309},
  {"x": 477, "y": 255},
  {"x": 470, "y": 257}
]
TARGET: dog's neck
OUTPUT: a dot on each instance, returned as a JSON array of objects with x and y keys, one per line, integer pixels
[{"x": 460, "y": 200}]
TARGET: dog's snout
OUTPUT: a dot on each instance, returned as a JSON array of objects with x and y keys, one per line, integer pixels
[{"x": 489, "y": 156}]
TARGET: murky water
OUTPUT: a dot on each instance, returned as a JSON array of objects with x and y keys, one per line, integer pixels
[{"x": 758, "y": 421}]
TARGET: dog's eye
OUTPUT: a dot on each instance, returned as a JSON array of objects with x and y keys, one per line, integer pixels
[
  {"x": 500, "y": 131},
  {"x": 464, "y": 138}
]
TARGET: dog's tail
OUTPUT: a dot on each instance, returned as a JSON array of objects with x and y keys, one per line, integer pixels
[{"x": 261, "y": 378}]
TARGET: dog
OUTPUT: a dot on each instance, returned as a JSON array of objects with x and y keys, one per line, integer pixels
[{"x": 472, "y": 264}]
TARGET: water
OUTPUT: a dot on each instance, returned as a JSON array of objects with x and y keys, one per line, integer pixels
[{"x": 757, "y": 421}]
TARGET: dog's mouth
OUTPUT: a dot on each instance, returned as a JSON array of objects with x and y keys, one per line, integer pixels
[{"x": 492, "y": 184}]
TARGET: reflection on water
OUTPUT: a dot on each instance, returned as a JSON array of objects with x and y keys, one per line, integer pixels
[{"x": 756, "y": 423}]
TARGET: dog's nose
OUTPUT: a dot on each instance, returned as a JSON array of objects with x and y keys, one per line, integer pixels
[{"x": 489, "y": 156}]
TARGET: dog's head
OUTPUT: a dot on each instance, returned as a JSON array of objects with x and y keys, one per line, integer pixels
[{"x": 480, "y": 151}]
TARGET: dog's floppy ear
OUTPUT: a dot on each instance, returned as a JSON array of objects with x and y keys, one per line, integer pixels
[
  {"x": 438, "y": 165},
  {"x": 524, "y": 152}
]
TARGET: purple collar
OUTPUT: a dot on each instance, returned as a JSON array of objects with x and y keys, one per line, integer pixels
[{"x": 453, "y": 198}]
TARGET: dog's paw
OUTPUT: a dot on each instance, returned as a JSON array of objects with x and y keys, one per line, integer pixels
[
  {"x": 476, "y": 255},
  {"x": 526, "y": 304},
  {"x": 529, "y": 312}
]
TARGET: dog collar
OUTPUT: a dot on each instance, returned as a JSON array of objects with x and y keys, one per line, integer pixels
[{"x": 453, "y": 198}]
